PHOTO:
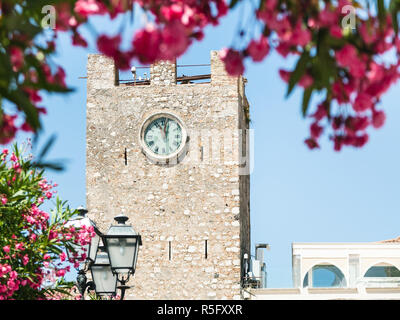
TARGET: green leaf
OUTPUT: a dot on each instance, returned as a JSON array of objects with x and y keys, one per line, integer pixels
[
  {"x": 306, "y": 100},
  {"x": 298, "y": 72},
  {"x": 47, "y": 146},
  {"x": 56, "y": 166},
  {"x": 381, "y": 12},
  {"x": 22, "y": 102},
  {"x": 233, "y": 3},
  {"x": 394, "y": 11}
]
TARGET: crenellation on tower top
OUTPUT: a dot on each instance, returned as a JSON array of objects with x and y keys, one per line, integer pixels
[
  {"x": 218, "y": 71},
  {"x": 102, "y": 72},
  {"x": 163, "y": 73}
]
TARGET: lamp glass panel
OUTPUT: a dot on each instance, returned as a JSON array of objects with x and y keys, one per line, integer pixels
[
  {"x": 122, "y": 252},
  {"x": 104, "y": 279},
  {"x": 94, "y": 244}
]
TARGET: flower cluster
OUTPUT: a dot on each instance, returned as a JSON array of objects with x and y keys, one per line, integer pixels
[
  {"x": 33, "y": 245},
  {"x": 176, "y": 24},
  {"x": 12, "y": 284},
  {"x": 342, "y": 62},
  {"x": 31, "y": 80},
  {"x": 345, "y": 64}
]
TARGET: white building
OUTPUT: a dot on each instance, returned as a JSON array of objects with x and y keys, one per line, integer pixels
[{"x": 340, "y": 271}]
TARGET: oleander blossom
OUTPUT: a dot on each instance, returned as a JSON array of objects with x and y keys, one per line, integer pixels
[{"x": 34, "y": 243}]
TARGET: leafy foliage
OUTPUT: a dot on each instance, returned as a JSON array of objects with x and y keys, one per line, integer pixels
[{"x": 32, "y": 242}]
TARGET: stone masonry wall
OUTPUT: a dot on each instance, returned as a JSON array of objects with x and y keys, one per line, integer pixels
[{"x": 178, "y": 209}]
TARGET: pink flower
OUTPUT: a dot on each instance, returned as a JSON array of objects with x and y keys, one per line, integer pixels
[
  {"x": 33, "y": 95},
  {"x": 63, "y": 256},
  {"x": 360, "y": 141},
  {"x": 78, "y": 40},
  {"x": 300, "y": 36},
  {"x": 46, "y": 256},
  {"x": 341, "y": 91},
  {"x": 147, "y": 44},
  {"x": 362, "y": 102},
  {"x": 19, "y": 246},
  {"x": 17, "y": 58},
  {"x": 89, "y": 7},
  {"x": 4, "y": 200},
  {"x": 285, "y": 75},
  {"x": 315, "y": 130},
  {"x": 109, "y": 45},
  {"x": 354, "y": 124},
  {"x": 175, "y": 41},
  {"x": 368, "y": 33},
  {"x": 311, "y": 143},
  {"x": 59, "y": 77},
  {"x": 378, "y": 119},
  {"x": 335, "y": 31},
  {"x": 26, "y": 127},
  {"x": 222, "y": 8},
  {"x": 6, "y": 249},
  {"x": 7, "y": 129},
  {"x": 13, "y": 157},
  {"x": 258, "y": 49},
  {"x": 338, "y": 143},
  {"x": 270, "y": 4},
  {"x": 320, "y": 113},
  {"x": 327, "y": 18},
  {"x": 64, "y": 19},
  {"x": 172, "y": 12},
  {"x": 305, "y": 81},
  {"x": 25, "y": 260},
  {"x": 233, "y": 61},
  {"x": 284, "y": 48},
  {"x": 347, "y": 57},
  {"x": 60, "y": 273}
]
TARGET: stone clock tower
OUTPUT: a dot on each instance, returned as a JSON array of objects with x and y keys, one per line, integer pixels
[{"x": 172, "y": 156}]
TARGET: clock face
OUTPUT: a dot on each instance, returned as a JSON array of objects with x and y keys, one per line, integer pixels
[{"x": 163, "y": 136}]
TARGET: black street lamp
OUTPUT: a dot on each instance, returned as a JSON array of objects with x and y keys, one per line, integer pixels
[
  {"x": 122, "y": 244},
  {"x": 109, "y": 264}
]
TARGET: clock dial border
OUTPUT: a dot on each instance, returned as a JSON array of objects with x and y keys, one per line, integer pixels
[{"x": 157, "y": 158}]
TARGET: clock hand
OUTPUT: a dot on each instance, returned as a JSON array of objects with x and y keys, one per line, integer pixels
[
  {"x": 161, "y": 129},
  {"x": 166, "y": 134},
  {"x": 165, "y": 124}
]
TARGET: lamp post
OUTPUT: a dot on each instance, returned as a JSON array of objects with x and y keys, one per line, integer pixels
[{"x": 114, "y": 262}]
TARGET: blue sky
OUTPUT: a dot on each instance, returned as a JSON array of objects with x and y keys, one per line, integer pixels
[{"x": 297, "y": 195}]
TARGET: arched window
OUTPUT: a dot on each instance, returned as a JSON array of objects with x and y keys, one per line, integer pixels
[
  {"x": 325, "y": 276},
  {"x": 382, "y": 270}
]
